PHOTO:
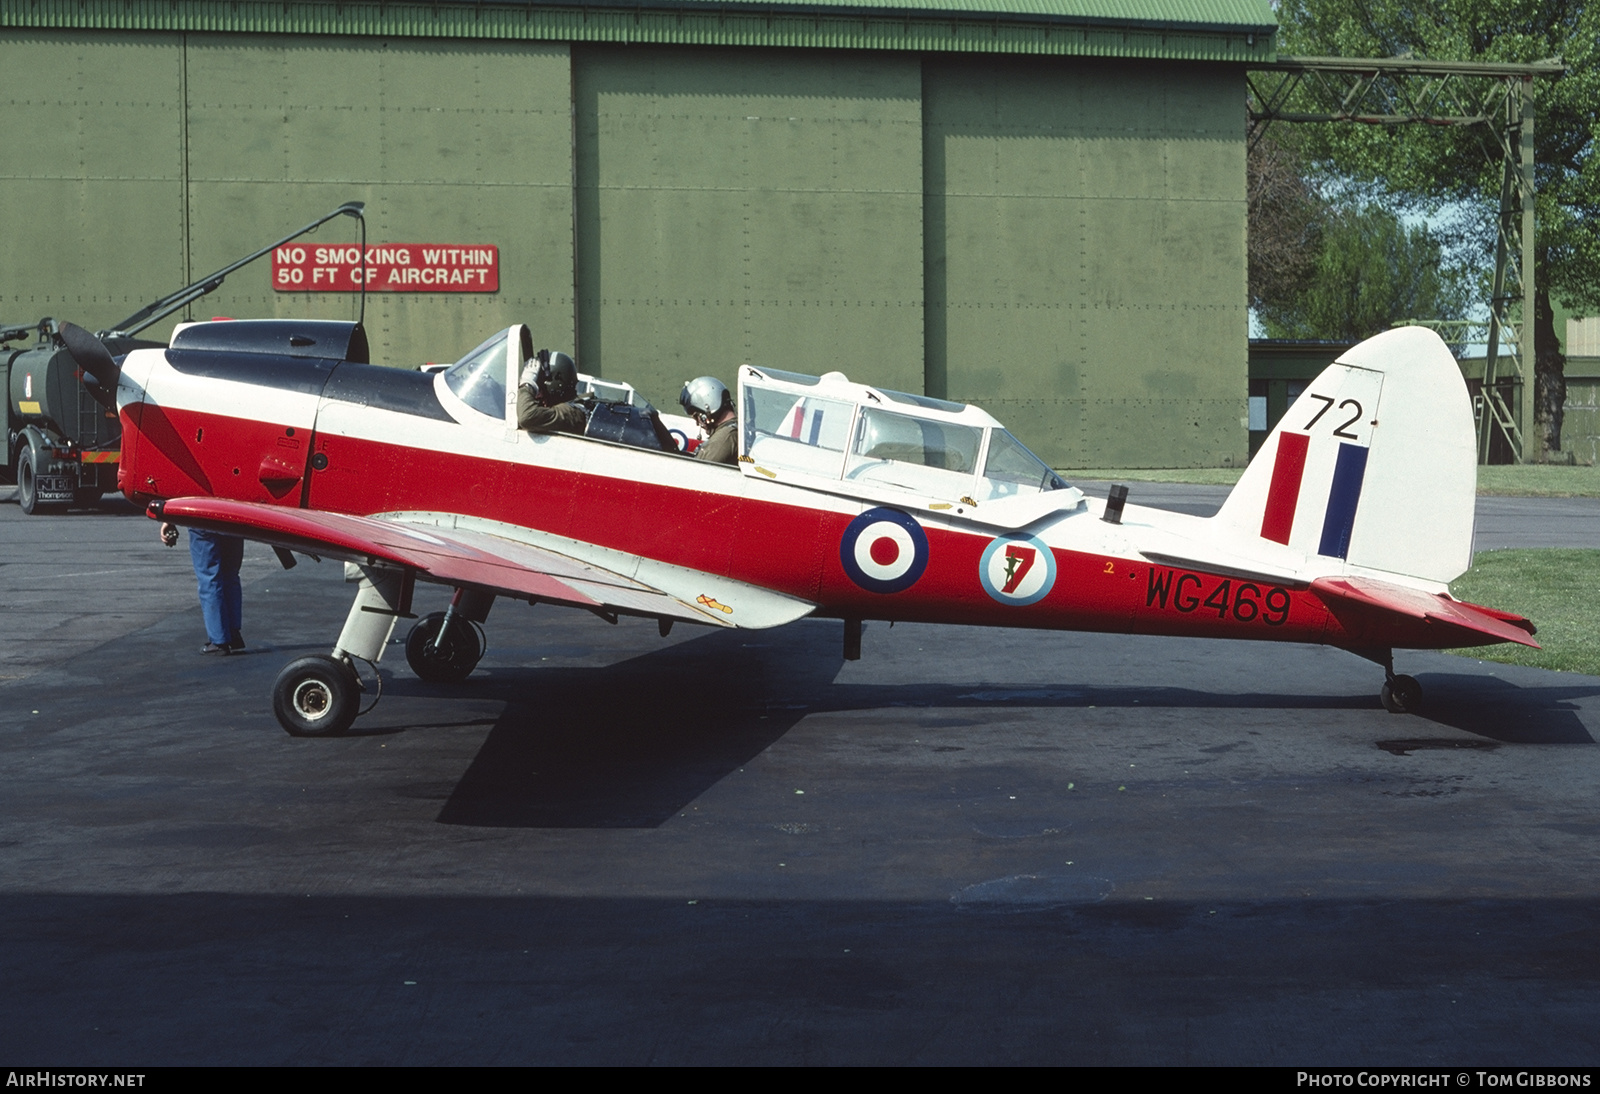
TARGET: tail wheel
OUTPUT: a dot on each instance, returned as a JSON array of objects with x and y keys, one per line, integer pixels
[
  {"x": 1401, "y": 695},
  {"x": 316, "y": 696},
  {"x": 443, "y": 661}
]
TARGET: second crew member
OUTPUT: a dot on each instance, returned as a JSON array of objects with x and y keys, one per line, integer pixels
[{"x": 707, "y": 400}]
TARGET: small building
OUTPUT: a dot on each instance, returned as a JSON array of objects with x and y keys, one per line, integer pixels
[
  {"x": 1280, "y": 369},
  {"x": 1580, "y": 413}
]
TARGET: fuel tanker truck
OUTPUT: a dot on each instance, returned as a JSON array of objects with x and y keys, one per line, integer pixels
[
  {"x": 62, "y": 432},
  {"x": 61, "y": 441}
]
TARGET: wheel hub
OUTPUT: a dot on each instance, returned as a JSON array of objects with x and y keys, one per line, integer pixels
[{"x": 312, "y": 700}]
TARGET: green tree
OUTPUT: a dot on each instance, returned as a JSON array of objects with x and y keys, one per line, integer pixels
[
  {"x": 1286, "y": 214},
  {"x": 1369, "y": 271},
  {"x": 1430, "y": 167}
]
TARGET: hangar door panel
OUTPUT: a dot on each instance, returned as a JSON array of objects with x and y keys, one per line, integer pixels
[
  {"x": 758, "y": 206},
  {"x": 1085, "y": 241},
  {"x": 446, "y": 142},
  {"x": 93, "y": 179}
]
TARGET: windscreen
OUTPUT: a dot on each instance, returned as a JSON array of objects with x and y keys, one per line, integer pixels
[
  {"x": 1011, "y": 470},
  {"x": 479, "y": 378}
]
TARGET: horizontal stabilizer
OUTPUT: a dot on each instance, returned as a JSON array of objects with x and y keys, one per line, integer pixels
[
  {"x": 1217, "y": 554},
  {"x": 1476, "y": 623}
]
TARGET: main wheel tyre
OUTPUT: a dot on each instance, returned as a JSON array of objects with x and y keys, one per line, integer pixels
[
  {"x": 316, "y": 696},
  {"x": 27, "y": 481},
  {"x": 1402, "y": 695},
  {"x": 443, "y": 662}
]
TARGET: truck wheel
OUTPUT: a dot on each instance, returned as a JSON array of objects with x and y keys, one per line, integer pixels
[
  {"x": 27, "y": 482},
  {"x": 316, "y": 696}
]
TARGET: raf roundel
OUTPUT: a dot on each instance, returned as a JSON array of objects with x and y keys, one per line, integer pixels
[
  {"x": 1017, "y": 569},
  {"x": 884, "y": 551}
]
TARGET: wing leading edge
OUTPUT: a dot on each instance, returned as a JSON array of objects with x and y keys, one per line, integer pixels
[{"x": 453, "y": 557}]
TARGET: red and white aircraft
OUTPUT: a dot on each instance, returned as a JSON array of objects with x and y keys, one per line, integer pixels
[{"x": 848, "y": 502}]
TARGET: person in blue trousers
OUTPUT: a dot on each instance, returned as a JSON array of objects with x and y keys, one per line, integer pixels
[{"x": 216, "y": 559}]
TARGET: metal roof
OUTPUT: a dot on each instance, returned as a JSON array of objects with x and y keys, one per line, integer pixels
[
  {"x": 1212, "y": 14},
  {"x": 1195, "y": 30}
]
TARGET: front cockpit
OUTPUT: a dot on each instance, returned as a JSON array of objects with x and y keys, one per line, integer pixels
[
  {"x": 479, "y": 379},
  {"x": 485, "y": 380}
]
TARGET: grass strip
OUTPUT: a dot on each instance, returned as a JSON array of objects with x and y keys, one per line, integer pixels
[
  {"x": 1559, "y": 589},
  {"x": 1540, "y": 480},
  {"x": 1205, "y": 476}
]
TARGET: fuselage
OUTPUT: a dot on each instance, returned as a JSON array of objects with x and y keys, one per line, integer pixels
[{"x": 370, "y": 441}]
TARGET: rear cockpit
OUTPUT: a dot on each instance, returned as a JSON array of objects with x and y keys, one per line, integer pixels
[{"x": 847, "y": 438}]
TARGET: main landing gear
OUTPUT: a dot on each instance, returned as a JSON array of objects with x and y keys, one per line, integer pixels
[
  {"x": 317, "y": 696},
  {"x": 320, "y": 695},
  {"x": 444, "y": 648},
  {"x": 1399, "y": 694}
]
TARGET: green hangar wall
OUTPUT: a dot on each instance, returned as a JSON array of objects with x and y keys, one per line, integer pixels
[{"x": 1033, "y": 205}]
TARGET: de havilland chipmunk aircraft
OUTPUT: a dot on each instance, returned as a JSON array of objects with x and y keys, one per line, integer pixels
[{"x": 848, "y": 502}]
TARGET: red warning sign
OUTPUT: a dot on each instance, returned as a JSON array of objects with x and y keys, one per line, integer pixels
[{"x": 390, "y": 267}]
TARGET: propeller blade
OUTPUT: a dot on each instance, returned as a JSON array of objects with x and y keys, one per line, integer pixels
[{"x": 95, "y": 360}]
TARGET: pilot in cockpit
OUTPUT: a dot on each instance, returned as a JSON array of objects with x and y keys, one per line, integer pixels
[
  {"x": 708, "y": 401},
  {"x": 547, "y": 393}
]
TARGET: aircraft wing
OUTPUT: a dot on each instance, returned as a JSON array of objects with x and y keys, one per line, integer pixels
[
  {"x": 1366, "y": 595},
  {"x": 459, "y": 557}
]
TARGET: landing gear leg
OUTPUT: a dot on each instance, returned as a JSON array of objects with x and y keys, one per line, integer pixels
[
  {"x": 852, "y": 639},
  {"x": 320, "y": 695}
]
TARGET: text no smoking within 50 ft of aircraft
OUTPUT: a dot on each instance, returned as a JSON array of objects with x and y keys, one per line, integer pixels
[{"x": 388, "y": 267}]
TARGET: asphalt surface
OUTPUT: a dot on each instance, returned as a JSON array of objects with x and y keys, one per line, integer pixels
[{"x": 971, "y": 846}]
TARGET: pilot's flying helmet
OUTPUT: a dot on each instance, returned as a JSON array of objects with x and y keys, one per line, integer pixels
[
  {"x": 705, "y": 397},
  {"x": 556, "y": 379}
]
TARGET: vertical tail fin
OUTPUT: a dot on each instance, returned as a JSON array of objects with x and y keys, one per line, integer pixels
[{"x": 1375, "y": 464}]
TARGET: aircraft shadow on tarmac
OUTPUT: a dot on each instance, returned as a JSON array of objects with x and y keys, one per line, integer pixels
[
  {"x": 632, "y": 744},
  {"x": 1501, "y": 711}
]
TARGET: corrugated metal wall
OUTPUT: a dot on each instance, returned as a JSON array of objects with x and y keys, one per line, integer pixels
[
  {"x": 144, "y": 161},
  {"x": 1061, "y": 240}
]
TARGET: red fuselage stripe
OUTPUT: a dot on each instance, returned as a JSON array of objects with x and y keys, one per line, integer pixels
[
  {"x": 790, "y": 548},
  {"x": 1284, "y": 493}
]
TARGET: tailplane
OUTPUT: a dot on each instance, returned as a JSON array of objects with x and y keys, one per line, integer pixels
[{"x": 1375, "y": 464}]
